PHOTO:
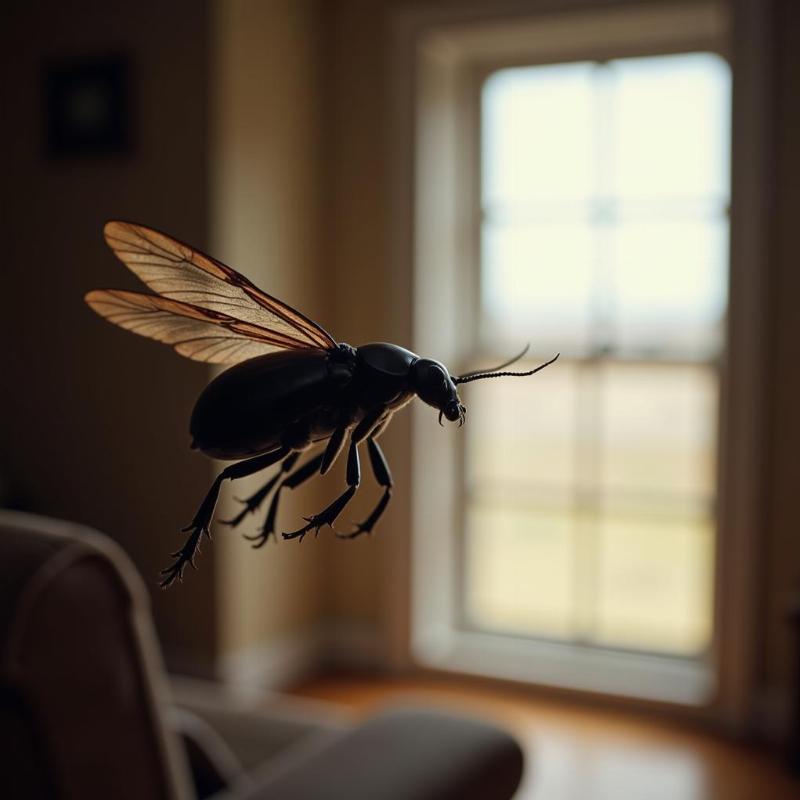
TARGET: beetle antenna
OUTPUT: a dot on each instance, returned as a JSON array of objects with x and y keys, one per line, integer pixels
[
  {"x": 472, "y": 376},
  {"x": 499, "y": 366}
]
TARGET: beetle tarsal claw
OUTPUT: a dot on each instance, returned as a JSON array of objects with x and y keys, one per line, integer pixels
[
  {"x": 441, "y": 414},
  {"x": 300, "y": 533},
  {"x": 326, "y": 517}
]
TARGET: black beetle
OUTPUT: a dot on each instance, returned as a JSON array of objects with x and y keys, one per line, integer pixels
[{"x": 291, "y": 384}]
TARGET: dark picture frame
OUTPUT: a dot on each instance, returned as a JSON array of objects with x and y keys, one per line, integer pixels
[{"x": 88, "y": 106}]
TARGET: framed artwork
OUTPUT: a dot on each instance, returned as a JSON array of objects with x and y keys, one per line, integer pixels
[{"x": 88, "y": 106}]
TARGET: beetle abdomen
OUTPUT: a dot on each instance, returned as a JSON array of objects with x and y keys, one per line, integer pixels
[{"x": 246, "y": 409}]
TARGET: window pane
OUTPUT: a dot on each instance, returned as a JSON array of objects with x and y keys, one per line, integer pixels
[
  {"x": 519, "y": 570},
  {"x": 670, "y": 125},
  {"x": 655, "y": 583},
  {"x": 510, "y": 452},
  {"x": 669, "y": 286},
  {"x": 537, "y": 282},
  {"x": 537, "y": 133},
  {"x": 658, "y": 428}
]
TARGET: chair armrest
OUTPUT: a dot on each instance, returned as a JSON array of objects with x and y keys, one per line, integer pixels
[
  {"x": 401, "y": 755},
  {"x": 213, "y": 765},
  {"x": 257, "y": 726}
]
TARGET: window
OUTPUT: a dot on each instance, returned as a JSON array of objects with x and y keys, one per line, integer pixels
[
  {"x": 572, "y": 190},
  {"x": 605, "y": 189}
]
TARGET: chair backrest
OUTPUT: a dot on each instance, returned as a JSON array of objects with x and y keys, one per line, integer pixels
[{"x": 82, "y": 688}]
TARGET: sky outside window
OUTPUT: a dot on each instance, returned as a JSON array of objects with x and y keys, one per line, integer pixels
[{"x": 605, "y": 191}]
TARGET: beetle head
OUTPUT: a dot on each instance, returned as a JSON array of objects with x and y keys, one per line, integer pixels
[{"x": 434, "y": 386}]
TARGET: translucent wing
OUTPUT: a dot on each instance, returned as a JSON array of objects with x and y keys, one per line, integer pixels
[
  {"x": 197, "y": 333},
  {"x": 177, "y": 271}
]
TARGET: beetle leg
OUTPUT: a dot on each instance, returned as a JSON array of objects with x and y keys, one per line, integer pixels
[
  {"x": 380, "y": 469},
  {"x": 381, "y": 427},
  {"x": 254, "y": 501},
  {"x": 202, "y": 519},
  {"x": 333, "y": 449},
  {"x": 323, "y": 463},
  {"x": 291, "y": 481},
  {"x": 328, "y": 515},
  {"x": 372, "y": 422}
]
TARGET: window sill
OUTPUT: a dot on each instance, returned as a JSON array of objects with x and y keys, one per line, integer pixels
[{"x": 569, "y": 666}]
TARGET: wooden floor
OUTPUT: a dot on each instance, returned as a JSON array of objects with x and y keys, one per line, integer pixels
[{"x": 585, "y": 753}]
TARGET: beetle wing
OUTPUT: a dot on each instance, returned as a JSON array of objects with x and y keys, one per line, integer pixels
[
  {"x": 179, "y": 272},
  {"x": 197, "y": 333}
]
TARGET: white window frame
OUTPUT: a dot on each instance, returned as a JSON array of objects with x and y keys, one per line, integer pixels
[{"x": 433, "y": 52}]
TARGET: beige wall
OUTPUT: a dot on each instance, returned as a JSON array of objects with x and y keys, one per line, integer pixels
[
  {"x": 266, "y": 195},
  {"x": 354, "y": 230},
  {"x": 300, "y": 206}
]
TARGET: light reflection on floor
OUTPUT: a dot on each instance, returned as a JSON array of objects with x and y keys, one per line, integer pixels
[{"x": 561, "y": 768}]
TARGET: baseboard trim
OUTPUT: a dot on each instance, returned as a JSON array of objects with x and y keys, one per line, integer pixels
[
  {"x": 353, "y": 646},
  {"x": 286, "y": 660}
]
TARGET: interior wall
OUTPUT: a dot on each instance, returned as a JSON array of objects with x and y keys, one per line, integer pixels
[
  {"x": 300, "y": 205},
  {"x": 781, "y": 567},
  {"x": 265, "y": 218},
  {"x": 354, "y": 227},
  {"x": 370, "y": 578},
  {"x": 94, "y": 421}
]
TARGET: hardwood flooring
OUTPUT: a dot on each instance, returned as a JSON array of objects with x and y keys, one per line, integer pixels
[{"x": 585, "y": 753}]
